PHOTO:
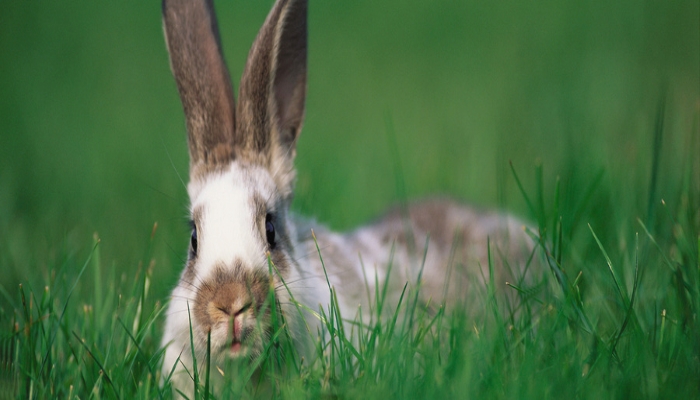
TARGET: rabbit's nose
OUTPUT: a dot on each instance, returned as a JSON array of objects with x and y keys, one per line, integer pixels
[
  {"x": 243, "y": 309},
  {"x": 228, "y": 301},
  {"x": 236, "y": 324},
  {"x": 237, "y": 321},
  {"x": 234, "y": 309}
]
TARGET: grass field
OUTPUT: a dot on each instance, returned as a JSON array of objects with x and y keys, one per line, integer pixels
[{"x": 596, "y": 105}]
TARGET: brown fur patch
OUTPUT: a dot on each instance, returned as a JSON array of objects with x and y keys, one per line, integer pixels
[
  {"x": 192, "y": 37},
  {"x": 229, "y": 290}
]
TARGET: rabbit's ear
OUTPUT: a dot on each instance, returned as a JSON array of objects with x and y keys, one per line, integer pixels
[
  {"x": 273, "y": 85},
  {"x": 203, "y": 81}
]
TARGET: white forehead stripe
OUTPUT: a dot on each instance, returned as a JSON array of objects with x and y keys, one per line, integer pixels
[{"x": 227, "y": 231}]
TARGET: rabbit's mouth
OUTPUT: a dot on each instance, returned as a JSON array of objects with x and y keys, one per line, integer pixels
[
  {"x": 239, "y": 345},
  {"x": 236, "y": 347}
]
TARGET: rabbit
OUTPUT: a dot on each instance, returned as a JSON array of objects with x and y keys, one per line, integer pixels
[{"x": 244, "y": 238}]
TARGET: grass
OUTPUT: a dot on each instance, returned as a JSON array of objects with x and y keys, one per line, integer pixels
[
  {"x": 580, "y": 116},
  {"x": 615, "y": 322}
]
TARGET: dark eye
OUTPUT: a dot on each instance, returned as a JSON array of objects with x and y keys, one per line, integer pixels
[
  {"x": 193, "y": 240},
  {"x": 270, "y": 231}
]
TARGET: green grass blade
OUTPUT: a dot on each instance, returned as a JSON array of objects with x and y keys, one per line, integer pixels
[
  {"x": 195, "y": 369},
  {"x": 522, "y": 190},
  {"x": 65, "y": 304},
  {"x": 103, "y": 371},
  {"x": 208, "y": 367},
  {"x": 616, "y": 280},
  {"x": 629, "y": 313}
]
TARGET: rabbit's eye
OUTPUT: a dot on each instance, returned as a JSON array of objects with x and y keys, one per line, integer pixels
[
  {"x": 270, "y": 231},
  {"x": 193, "y": 241}
]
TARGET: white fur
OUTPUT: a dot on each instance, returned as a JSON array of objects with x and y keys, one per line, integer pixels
[
  {"x": 227, "y": 226},
  {"x": 227, "y": 235}
]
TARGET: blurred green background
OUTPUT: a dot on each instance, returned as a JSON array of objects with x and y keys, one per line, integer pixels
[{"x": 93, "y": 136}]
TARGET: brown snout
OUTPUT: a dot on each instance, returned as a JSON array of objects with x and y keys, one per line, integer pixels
[{"x": 229, "y": 295}]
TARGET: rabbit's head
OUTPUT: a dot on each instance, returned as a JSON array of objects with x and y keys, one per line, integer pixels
[{"x": 241, "y": 173}]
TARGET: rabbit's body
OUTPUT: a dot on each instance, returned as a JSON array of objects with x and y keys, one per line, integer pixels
[
  {"x": 440, "y": 240},
  {"x": 246, "y": 243}
]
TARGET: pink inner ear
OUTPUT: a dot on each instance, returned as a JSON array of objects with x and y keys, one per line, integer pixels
[
  {"x": 290, "y": 91},
  {"x": 289, "y": 86},
  {"x": 273, "y": 85}
]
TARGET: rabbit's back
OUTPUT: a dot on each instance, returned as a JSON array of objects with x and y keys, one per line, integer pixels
[{"x": 444, "y": 242}]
